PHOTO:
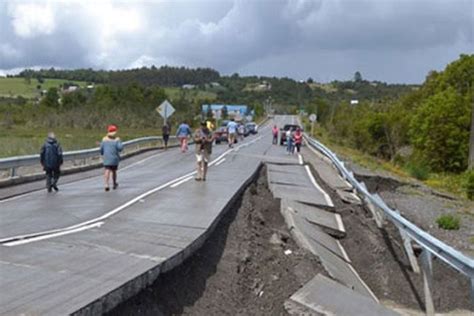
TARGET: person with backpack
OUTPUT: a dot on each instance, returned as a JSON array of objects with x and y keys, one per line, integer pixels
[
  {"x": 110, "y": 149},
  {"x": 183, "y": 132},
  {"x": 203, "y": 140},
  {"x": 298, "y": 139},
  {"x": 166, "y": 134},
  {"x": 51, "y": 159}
]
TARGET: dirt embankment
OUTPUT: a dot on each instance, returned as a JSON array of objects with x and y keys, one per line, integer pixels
[
  {"x": 379, "y": 258},
  {"x": 241, "y": 270}
]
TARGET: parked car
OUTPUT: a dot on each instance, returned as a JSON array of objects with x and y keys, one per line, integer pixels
[
  {"x": 246, "y": 131},
  {"x": 252, "y": 128},
  {"x": 292, "y": 127},
  {"x": 220, "y": 134}
]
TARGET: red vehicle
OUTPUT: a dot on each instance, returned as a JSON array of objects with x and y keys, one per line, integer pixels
[{"x": 220, "y": 135}]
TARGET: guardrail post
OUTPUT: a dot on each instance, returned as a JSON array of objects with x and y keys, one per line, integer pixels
[
  {"x": 409, "y": 251},
  {"x": 13, "y": 172},
  {"x": 379, "y": 220},
  {"x": 427, "y": 268}
]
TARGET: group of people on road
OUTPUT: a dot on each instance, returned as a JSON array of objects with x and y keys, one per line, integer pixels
[
  {"x": 111, "y": 147},
  {"x": 51, "y": 158},
  {"x": 293, "y": 138}
]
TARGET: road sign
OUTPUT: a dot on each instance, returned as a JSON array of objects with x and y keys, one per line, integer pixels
[
  {"x": 165, "y": 109},
  {"x": 313, "y": 117}
]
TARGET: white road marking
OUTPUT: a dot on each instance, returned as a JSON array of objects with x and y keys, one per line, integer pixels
[
  {"x": 313, "y": 180},
  {"x": 340, "y": 225},
  {"x": 180, "y": 182},
  {"x": 218, "y": 163},
  {"x": 38, "y": 238},
  {"x": 75, "y": 228},
  {"x": 300, "y": 159},
  {"x": 363, "y": 283},
  {"x": 81, "y": 180},
  {"x": 343, "y": 251}
]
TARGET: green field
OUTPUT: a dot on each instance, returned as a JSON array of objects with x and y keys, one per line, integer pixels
[
  {"x": 15, "y": 87},
  {"x": 19, "y": 141}
]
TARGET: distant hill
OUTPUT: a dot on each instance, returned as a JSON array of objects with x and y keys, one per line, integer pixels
[{"x": 21, "y": 87}]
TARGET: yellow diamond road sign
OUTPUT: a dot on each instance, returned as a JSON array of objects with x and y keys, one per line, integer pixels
[{"x": 165, "y": 109}]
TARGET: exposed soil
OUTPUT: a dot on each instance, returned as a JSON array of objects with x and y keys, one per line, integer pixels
[
  {"x": 240, "y": 270},
  {"x": 379, "y": 258},
  {"x": 423, "y": 205}
]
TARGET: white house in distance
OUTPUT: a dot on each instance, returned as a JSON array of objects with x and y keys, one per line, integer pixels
[
  {"x": 188, "y": 86},
  {"x": 354, "y": 102}
]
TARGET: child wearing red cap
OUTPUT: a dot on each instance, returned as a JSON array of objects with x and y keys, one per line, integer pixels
[{"x": 110, "y": 149}]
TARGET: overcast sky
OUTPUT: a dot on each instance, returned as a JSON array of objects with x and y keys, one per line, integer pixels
[{"x": 387, "y": 40}]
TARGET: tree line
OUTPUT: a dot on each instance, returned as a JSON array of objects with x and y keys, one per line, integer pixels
[
  {"x": 164, "y": 76},
  {"x": 430, "y": 126}
]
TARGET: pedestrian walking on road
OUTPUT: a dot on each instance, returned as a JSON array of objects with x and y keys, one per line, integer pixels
[
  {"x": 231, "y": 132},
  {"x": 183, "y": 133},
  {"x": 51, "y": 159},
  {"x": 203, "y": 140},
  {"x": 298, "y": 139},
  {"x": 289, "y": 141},
  {"x": 166, "y": 134},
  {"x": 241, "y": 132},
  {"x": 275, "y": 135},
  {"x": 110, "y": 149}
]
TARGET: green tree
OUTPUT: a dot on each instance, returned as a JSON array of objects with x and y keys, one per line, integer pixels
[
  {"x": 357, "y": 77},
  {"x": 439, "y": 131},
  {"x": 51, "y": 99}
]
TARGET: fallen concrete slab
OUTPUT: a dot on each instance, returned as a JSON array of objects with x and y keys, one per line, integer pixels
[
  {"x": 298, "y": 179},
  {"x": 323, "y": 296},
  {"x": 335, "y": 264},
  {"x": 330, "y": 221},
  {"x": 301, "y": 194},
  {"x": 316, "y": 233},
  {"x": 325, "y": 169},
  {"x": 291, "y": 169},
  {"x": 349, "y": 197}
]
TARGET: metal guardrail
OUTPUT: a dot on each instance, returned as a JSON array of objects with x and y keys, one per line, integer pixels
[
  {"x": 410, "y": 232},
  {"x": 22, "y": 161}
]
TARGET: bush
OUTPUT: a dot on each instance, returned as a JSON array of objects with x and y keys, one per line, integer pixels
[
  {"x": 448, "y": 222},
  {"x": 418, "y": 171},
  {"x": 469, "y": 185}
]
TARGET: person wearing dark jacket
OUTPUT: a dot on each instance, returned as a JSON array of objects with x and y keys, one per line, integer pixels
[
  {"x": 166, "y": 134},
  {"x": 51, "y": 158}
]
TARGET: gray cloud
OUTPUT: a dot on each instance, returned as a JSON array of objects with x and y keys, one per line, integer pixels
[{"x": 396, "y": 40}]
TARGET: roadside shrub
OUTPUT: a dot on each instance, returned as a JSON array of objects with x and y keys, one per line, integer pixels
[
  {"x": 418, "y": 171},
  {"x": 469, "y": 185},
  {"x": 448, "y": 222}
]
